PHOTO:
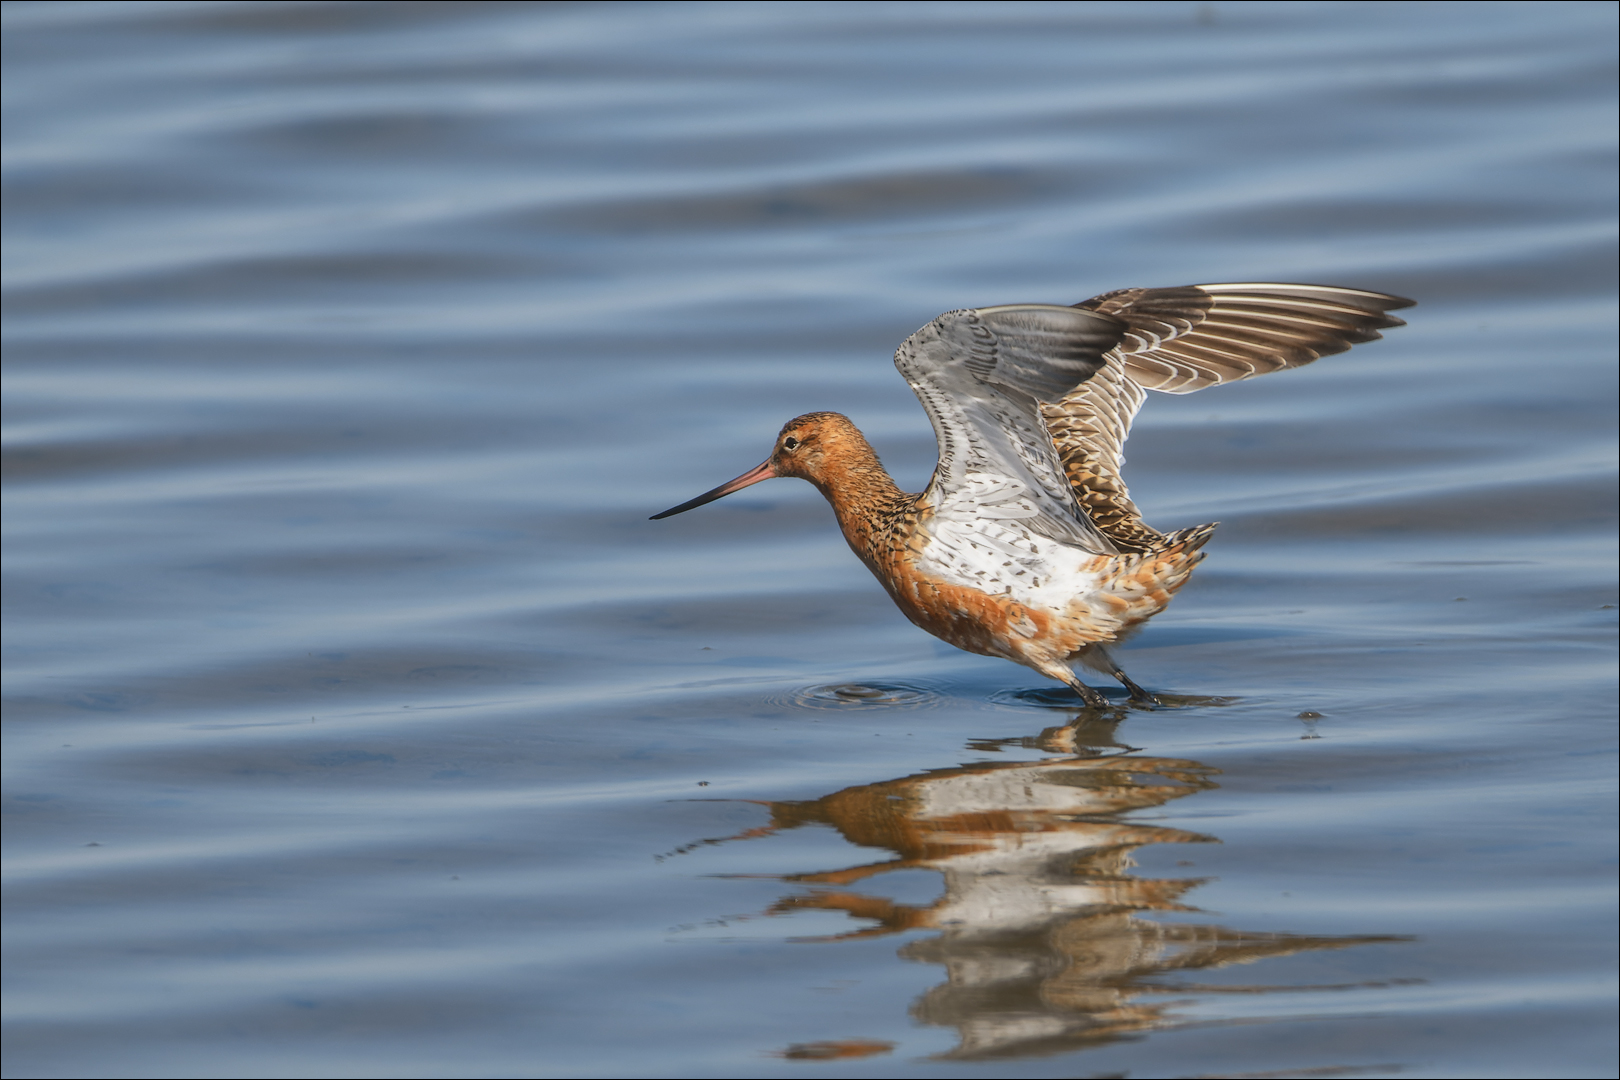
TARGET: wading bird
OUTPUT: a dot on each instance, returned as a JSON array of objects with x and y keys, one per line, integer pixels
[{"x": 1026, "y": 544}]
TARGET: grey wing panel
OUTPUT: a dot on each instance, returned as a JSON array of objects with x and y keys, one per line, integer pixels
[
  {"x": 982, "y": 375},
  {"x": 1038, "y": 349},
  {"x": 1182, "y": 339}
]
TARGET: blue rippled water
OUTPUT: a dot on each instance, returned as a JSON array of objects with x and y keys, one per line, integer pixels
[{"x": 360, "y": 724}]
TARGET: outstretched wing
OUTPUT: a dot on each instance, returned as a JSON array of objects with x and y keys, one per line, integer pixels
[
  {"x": 983, "y": 375},
  {"x": 1183, "y": 339}
]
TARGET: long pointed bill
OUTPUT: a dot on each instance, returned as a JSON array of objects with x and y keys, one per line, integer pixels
[{"x": 752, "y": 476}]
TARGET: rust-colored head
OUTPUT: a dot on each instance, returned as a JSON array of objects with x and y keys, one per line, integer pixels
[
  {"x": 813, "y": 447},
  {"x": 818, "y": 446}
]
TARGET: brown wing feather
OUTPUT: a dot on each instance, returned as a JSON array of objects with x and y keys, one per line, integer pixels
[
  {"x": 1088, "y": 427},
  {"x": 1183, "y": 339}
]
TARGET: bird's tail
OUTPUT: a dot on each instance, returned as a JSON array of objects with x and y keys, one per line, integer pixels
[
  {"x": 1180, "y": 552},
  {"x": 1139, "y": 585}
]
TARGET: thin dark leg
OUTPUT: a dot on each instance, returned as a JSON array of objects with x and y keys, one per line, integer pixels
[
  {"x": 1101, "y": 658},
  {"x": 1091, "y": 697},
  {"x": 1138, "y": 695}
]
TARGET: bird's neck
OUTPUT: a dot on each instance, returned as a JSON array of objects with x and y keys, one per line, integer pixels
[{"x": 872, "y": 510}]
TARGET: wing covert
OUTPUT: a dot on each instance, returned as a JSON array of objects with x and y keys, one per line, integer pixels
[{"x": 1089, "y": 428}]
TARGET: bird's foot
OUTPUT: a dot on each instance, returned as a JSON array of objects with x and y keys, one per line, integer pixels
[
  {"x": 1092, "y": 698},
  {"x": 1139, "y": 696}
]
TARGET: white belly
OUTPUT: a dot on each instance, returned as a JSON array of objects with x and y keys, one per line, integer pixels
[{"x": 1000, "y": 559}]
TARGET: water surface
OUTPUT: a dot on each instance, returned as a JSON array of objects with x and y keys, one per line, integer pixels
[{"x": 360, "y": 724}]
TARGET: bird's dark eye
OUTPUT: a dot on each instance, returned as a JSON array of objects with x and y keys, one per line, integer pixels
[{"x": 790, "y": 443}]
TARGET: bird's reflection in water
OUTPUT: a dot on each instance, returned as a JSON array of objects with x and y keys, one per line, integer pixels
[{"x": 1041, "y": 931}]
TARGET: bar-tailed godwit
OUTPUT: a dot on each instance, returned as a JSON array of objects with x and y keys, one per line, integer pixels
[{"x": 1026, "y": 544}]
